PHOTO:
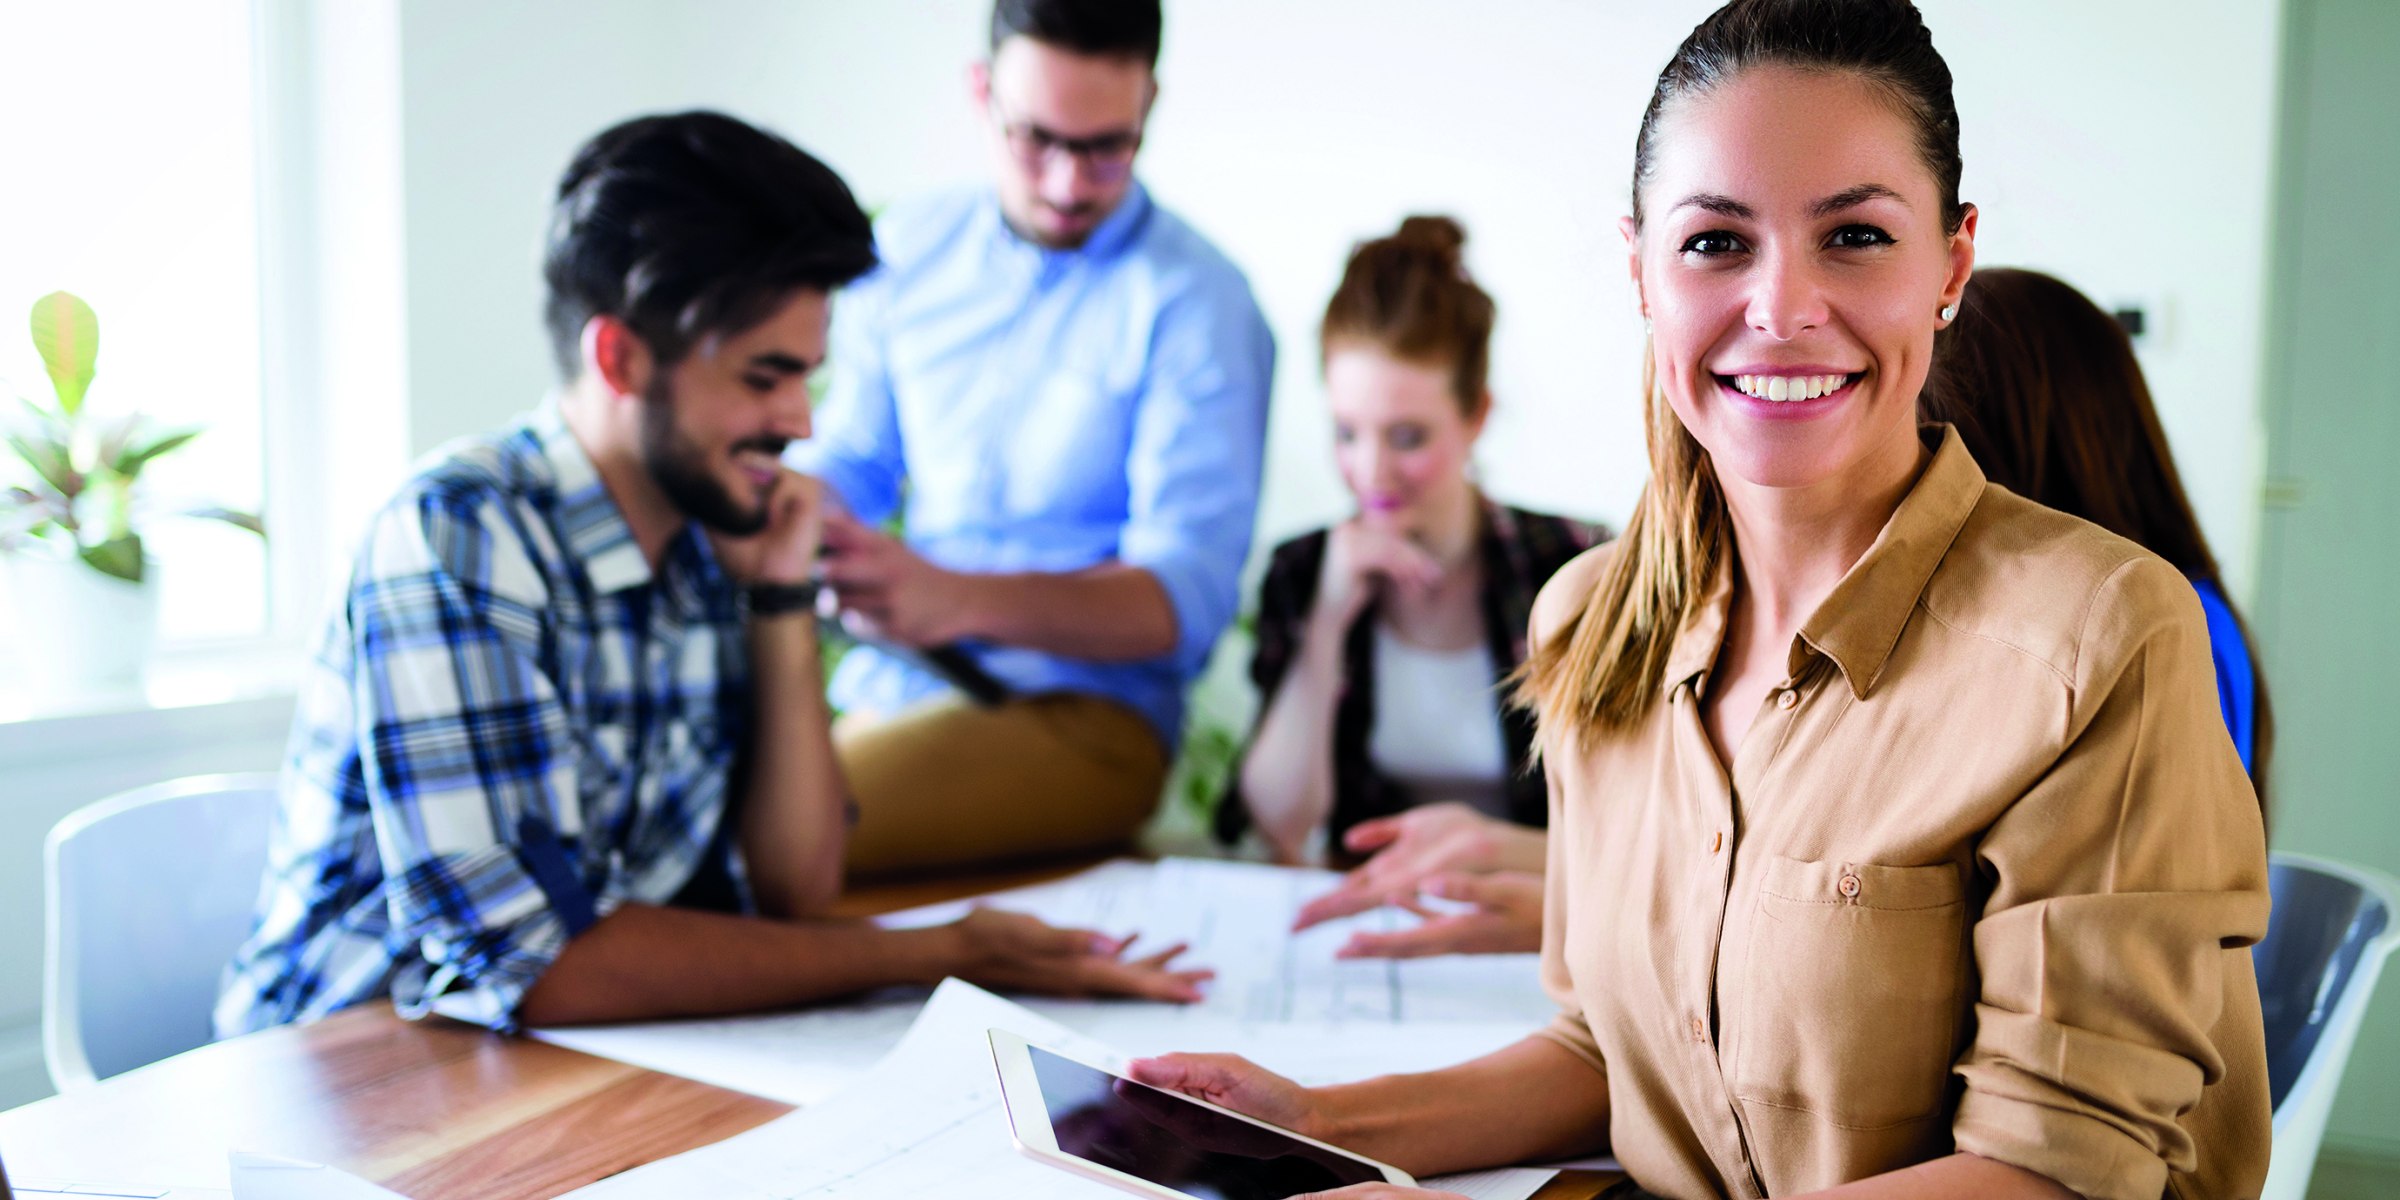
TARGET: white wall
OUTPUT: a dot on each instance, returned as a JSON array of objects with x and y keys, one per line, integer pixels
[{"x": 2124, "y": 146}]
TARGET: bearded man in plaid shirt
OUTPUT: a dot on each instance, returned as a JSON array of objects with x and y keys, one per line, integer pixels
[{"x": 563, "y": 754}]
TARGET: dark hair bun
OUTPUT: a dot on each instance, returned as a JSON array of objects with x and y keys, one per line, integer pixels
[
  {"x": 1438, "y": 236},
  {"x": 1410, "y": 294}
]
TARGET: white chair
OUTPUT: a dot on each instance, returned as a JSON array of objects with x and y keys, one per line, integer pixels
[
  {"x": 150, "y": 892},
  {"x": 2332, "y": 927}
]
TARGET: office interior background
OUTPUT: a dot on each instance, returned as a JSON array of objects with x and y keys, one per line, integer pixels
[{"x": 313, "y": 227}]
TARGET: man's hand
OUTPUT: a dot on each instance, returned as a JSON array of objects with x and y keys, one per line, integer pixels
[
  {"x": 1364, "y": 554},
  {"x": 1416, "y": 845},
  {"x": 786, "y": 550},
  {"x": 891, "y": 589},
  {"x": 1506, "y": 919},
  {"x": 1015, "y": 952}
]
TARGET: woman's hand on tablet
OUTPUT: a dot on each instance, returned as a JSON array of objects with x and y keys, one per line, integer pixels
[
  {"x": 1506, "y": 919},
  {"x": 1231, "y": 1081},
  {"x": 1015, "y": 952}
]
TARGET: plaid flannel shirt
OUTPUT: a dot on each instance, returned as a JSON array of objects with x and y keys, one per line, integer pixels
[{"x": 512, "y": 726}]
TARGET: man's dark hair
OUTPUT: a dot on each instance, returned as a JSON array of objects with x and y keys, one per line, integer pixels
[
  {"x": 1102, "y": 28},
  {"x": 693, "y": 224}
]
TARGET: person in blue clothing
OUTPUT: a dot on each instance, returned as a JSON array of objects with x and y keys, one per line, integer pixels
[
  {"x": 2045, "y": 390},
  {"x": 562, "y": 754},
  {"x": 1059, "y": 389}
]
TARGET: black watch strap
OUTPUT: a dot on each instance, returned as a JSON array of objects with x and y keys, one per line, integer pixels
[{"x": 770, "y": 599}]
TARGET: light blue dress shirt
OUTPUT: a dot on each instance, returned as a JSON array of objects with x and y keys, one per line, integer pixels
[{"x": 1050, "y": 410}]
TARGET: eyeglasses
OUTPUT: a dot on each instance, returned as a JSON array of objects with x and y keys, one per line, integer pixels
[{"x": 1108, "y": 157}]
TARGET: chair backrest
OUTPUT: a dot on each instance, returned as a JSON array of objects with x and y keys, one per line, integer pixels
[
  {"x": 150, "y": 893},
  {"x": 2332, "y": 927}
]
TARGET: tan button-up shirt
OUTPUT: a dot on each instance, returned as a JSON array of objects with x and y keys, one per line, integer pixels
[{"x": 1980, "y": 878}]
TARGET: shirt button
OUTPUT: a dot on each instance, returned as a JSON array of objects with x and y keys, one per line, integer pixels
[
  {"x": 1786, "y": 698},
  {"x": 1716, "y": 842},
  {"x": 1849, "y": 886},
  {"x": 1699, "y": 1031}
]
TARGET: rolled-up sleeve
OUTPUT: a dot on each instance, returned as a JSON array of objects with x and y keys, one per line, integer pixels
[
  {"x": 1192, "y": 475},
  {"x": 464, "y": 746},
  {"x": 855, "y": 446},
  {"x": 2125, "y": 886}
]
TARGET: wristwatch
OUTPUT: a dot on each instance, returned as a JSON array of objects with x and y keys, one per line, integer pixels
[{"x": 770, "y": 599}]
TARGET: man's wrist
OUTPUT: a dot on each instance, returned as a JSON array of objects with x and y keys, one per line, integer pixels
[
  {"x": 969, "y": 616},
  {"x": 928, "y": 955},
  {"x": 769, "y": 599}
]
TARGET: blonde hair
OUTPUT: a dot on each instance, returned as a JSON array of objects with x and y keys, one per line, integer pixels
[{"x": 1601, "y": 671}]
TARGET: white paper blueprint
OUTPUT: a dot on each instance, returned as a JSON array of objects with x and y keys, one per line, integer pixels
[
  {"x": 1238, "y": 918},
  {"x": 926, "y": 1121},
  {"x": 1280, "y": 998}
]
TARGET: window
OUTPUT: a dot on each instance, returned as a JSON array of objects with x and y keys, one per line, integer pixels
[{"x": 127, "y": 137}]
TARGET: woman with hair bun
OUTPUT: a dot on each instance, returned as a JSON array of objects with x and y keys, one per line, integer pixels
[
  {"x": 1896, "y": 844},
  {"x": 1384, "y": 641}
]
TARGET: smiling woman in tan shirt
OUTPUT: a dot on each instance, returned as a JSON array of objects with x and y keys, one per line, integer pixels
[{"x": 1896, "y": 846}]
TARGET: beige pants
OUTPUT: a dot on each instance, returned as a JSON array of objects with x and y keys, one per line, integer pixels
[{"x": 947, "y": 783}]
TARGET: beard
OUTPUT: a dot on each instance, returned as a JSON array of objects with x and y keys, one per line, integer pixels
[{"x": 680, "y": 468}]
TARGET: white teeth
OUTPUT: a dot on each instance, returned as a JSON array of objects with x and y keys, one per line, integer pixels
[{"x": 1783, "y": 389}]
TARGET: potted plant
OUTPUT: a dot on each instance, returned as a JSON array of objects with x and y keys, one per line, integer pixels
[{"x": 86, "y": 605}]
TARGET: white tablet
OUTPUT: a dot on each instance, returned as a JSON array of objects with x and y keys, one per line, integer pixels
[{"x": 1101, "y": 1125}]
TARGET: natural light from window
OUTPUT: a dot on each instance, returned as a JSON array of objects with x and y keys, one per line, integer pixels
[{"x": 127, "y": 149}]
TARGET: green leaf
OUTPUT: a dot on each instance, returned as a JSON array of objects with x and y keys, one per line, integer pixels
[
  {"x": 121, "y": 557},
  {"x": 129, "y": 463},
  {"x": 47, "y": 418},
  {"x": 116, "y": 435},
  {"x": 22, "y": 515},
  {"x": 233, "y": 517},
  {"x": 52, "y": 461},
  {"x": 67, "y": 333}
]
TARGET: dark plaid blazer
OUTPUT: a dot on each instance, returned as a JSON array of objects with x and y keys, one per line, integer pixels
[{"x": 1520, "y": 551}]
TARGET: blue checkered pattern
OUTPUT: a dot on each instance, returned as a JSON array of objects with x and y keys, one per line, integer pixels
[{"x": 512, "y": 726}]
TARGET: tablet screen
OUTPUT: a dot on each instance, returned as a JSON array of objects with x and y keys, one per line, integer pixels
[{"x": 1170, "y": 1141}]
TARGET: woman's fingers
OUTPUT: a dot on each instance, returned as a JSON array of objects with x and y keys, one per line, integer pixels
[
  {"x": 1372, "y": 834},
  {"x": 1193, "y": 1074}
]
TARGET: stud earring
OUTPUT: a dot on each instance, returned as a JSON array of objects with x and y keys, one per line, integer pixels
[{"x": 1949, "y": 311}]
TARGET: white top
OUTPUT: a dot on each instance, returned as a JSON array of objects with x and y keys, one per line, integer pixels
[{"x": 1437, "y": 724}]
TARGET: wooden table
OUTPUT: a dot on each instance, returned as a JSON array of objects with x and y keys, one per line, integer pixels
[{"x": 433, "y": 1109}]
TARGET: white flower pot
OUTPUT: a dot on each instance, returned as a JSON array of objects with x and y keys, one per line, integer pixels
[{"x": 75, "y": 632}]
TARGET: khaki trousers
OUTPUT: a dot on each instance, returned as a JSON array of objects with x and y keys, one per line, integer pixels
[{"x": 948, "y": 783}]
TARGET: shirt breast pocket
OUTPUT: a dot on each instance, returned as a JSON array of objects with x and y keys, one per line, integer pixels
[{"x": 1850, "y": 1003}]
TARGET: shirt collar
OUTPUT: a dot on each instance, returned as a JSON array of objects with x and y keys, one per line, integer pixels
[
  {"x": 1703, "y": 632},
  {"x": 595, "y": 528},
  {"x": 1117, "y": 230},
  {"x": 1109, "y": 238},
  {"x": 1861, "y": 619},
  {"x": 1860, "y": 622}
]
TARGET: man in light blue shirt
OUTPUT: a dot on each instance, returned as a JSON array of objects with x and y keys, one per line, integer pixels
[{"x": 1061, "y": 390}]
